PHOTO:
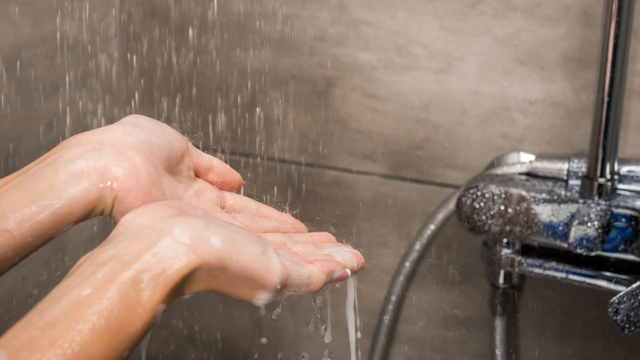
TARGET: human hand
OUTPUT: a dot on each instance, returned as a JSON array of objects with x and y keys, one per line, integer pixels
[
  {"x": 247, "y": 260},
  {"x": 162, "y": 250},
  {"x": 142, "y": 160},
  {"x": 112, "y": 171}
]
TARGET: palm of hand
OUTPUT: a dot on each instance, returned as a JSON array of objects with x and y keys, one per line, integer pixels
[
  {"x": 154, "y": 163},
  {"x": 148, "y": 161},
  {"x": 241, "y": 260}
]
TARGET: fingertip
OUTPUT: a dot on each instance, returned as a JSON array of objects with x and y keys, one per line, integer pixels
[
  {"x": 360, "y": 264},
  {"x": 332, "y": 271},
  {"x": 339, "y": 275},
  {"x": 225, "y": 177},
  {"x": 215, "y": 171},
  {"x": 235, "y": 182}
]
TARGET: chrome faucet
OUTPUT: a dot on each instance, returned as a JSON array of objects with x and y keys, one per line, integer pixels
[
  {"x": 600, "y": 179},
  {"x": 575, "y": 219}
]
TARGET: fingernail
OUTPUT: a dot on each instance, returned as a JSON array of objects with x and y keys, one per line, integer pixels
[{"x": 340, "y": 275}]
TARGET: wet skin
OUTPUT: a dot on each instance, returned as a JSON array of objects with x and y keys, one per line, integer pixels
[{"x": 182, "y": 228}]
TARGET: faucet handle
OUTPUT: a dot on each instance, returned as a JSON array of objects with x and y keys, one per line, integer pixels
[
  {"x": 589, "y": 227},
  {"x": 624, "y": 309}
]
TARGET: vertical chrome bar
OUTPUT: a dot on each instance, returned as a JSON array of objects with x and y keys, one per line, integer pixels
[
  {"x": 601, "y": 176},
  {"x": 499, "y": 341}
]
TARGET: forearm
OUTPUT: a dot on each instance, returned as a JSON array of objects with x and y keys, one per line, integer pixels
[
  {"x": 43, "y": 200},
  {"x": 103, "y": 307}
]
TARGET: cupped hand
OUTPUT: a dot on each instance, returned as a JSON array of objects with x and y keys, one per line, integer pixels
[
  {"x": 243, "y": 260},
  {"x": 142, "y": 160},
  {"x": 113, "y": 170},
  {"x": 163, "y": 250}
]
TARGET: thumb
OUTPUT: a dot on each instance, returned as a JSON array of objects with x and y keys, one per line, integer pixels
[{"x": 215, "y": 171}]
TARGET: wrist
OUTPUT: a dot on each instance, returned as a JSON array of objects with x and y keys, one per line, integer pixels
[
  {"x": 155, "y": 264},
  {"x": 43, "y": 200},
  {"x": 113, "y": 296}
]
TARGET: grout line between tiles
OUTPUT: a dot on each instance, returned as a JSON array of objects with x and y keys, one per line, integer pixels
[{"x": 345, "y": 170}]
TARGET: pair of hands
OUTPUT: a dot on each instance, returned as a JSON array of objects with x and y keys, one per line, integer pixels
[
  {"x": 147, "y": 162},
  {"x": 263, "y": 252},
  {"x": 181, "y": 228}
]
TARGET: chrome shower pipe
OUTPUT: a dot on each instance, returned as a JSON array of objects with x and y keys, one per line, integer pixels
[{"x": 602, "y": 173}]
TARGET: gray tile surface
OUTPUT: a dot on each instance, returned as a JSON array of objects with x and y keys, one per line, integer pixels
[
  {"x": 431, "y": 90},
  {"x": 59, "y": 74}
]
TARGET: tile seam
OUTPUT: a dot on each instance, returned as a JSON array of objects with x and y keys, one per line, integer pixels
[{"x": 408, "y": 179}]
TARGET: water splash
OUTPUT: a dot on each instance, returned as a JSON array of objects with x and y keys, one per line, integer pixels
[
  {"x": 144, "y": 344},
  {"x": 326, "y": 330},
  {"x": 278, "y": 311},
  {"x": 352, "y": 319},
  {"x": 316, "y": 301},
  {"x": 327, "y": 355}
]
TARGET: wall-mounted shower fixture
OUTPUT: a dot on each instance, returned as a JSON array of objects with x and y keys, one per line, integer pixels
[{"x": 575, "y": 220}]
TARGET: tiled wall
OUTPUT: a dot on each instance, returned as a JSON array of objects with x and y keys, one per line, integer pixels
[
  {"x": 60, "y": 74},
  {"x": 426, "y": 90},
  {"x": 430, "y": 90}
]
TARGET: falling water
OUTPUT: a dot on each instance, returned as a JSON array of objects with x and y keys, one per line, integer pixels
[
  {"x": 278, "y": 310},
  {"x": 316, "y": 300},
  {"x": 353, "y": 317},
  {"x": 144, "y": 344},
  {"x": 326, "y": 330}
]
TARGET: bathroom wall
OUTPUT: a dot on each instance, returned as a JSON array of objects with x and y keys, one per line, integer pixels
[
  {"x": 61, "y": 74},
  {"x": 358, "y": 117},
  {"x": 423, "y": 90}
]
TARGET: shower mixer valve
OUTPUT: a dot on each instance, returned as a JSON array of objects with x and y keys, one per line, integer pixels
[
  {"x": 575, "y": 220},
  {"x": 535, "y": 205}
]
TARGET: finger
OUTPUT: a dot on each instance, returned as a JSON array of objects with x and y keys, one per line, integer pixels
[
  {"x": 230, "y": 219},
  {"x": 238, "y": 204},
  {"x": 215, "y": 171},
  {"x": 205, "y": 195},
  {"x": 345, "y": 254},
  {"x": 268, "y": 225},
  {"x": 307, "y": 238},
  {"x": 314, "y": 275},
  {"x": 306, "y": 252},
  {"x": 316, "y": 246},
  {"x": 332, "y": 270}
]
